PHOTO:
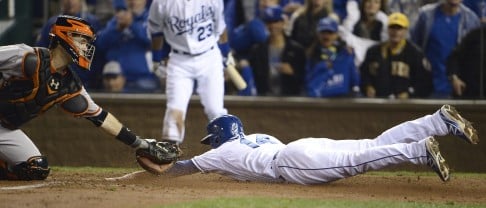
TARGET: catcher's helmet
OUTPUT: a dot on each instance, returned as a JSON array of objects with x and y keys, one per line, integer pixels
[
  {"x": 223, "y": 129},
  {"x": 76, "y": 36}
]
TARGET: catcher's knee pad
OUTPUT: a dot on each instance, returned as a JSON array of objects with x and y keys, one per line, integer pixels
[{"x": 35, "y": 168}]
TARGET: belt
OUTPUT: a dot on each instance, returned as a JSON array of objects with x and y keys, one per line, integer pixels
[
  {"x": 191, "y": 54},
  {"x": 275, "y": 168}
]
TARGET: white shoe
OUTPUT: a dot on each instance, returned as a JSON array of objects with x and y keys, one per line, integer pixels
[
  {"x": 457, "y": 125},
  {"x": 435, "y": 159}
]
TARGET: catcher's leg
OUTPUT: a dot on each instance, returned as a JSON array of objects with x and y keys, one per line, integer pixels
[
  {"x": 19, "y": 157},
  {"x": 35, "y": 168}
]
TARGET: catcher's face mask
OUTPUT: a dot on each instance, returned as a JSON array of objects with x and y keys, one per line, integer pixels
[{"x": 76, "y": 36}]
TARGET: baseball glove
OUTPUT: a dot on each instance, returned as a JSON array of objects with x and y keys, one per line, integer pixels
[{"x": 159, "y": 153}]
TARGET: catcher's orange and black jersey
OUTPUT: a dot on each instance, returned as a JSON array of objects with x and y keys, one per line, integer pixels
[{"x": 37, "y": 87}]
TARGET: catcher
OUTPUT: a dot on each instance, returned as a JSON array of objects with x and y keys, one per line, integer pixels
[
  {"x": 261, "y": 157},
  {"x": 32, "y": 80}
]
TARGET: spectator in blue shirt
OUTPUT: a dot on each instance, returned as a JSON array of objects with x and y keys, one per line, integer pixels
[
  {"x": 330, "y": 70},
  {"x": 439, "y": 28},
  {"x": 244, "y": 36},
  {"x": 126, "y": 40}
]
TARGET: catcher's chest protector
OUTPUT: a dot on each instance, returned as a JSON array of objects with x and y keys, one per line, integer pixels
[{"x": 22, "y": 99}]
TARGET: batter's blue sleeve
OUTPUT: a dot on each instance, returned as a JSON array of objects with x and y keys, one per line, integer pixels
[{"x": 181, "y": 168}]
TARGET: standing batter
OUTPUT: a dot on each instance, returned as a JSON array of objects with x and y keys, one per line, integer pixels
[
  {"x": 261, "y": 157},
  {"x": 32, "y": 80},
  {"x": 192, "y": 29}
]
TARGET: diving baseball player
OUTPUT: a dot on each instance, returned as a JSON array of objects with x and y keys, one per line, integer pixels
[
  {"x": 32, "y": 80},
  {"x": 192, "y": 29},
  {"x": 261, "y": 157}
]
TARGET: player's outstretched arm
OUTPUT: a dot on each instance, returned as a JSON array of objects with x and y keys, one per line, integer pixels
[{"x": 176, "y": 169}]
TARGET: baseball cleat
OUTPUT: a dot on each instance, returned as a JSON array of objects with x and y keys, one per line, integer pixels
[
  {"x": 435, "y": 159},
  {"x": 457, "y": 125}
]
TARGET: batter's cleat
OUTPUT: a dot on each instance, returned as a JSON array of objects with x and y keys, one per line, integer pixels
[
  {"x": 457, "y": 125},
  {"x": 435, "y": 159}
]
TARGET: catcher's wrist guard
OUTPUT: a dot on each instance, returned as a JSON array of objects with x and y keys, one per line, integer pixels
[{"x": 158, "y": 153}]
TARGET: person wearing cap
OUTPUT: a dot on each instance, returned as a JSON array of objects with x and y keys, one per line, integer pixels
[
  {"x": 330, "y": 70},
  {"x": 113, "y": 79},
  {"x": 396, "y": 68},
  {"x": 439, "y": 28},
  {"x": 303, "y": 22},
  {"x": 278, "y": 63},
  {"x": 127, "y": 41}
]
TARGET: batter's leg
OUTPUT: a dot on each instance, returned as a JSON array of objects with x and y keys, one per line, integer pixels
[
  {"x": 406, "y": 132},
  {"x": 415, "y": 130},
  {"x": 308, "y": 164}
]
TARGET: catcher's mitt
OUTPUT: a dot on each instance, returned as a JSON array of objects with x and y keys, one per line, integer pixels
[{"x": 159, "y": 153}]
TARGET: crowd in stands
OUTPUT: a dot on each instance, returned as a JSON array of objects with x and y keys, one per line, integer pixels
[{"x": 396, "y": 49}]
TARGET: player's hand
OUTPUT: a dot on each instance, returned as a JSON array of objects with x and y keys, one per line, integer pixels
[
  {"x": 152, "y": 167},
  {"x": 458, "y": 85},
  {"x": 229, "y": 61},
  {"x": 285, "y": 68},
  {"x": 160, "y": 69},
  {"x": 158, "y": 153},
  {"x": 370, "y": 92}
]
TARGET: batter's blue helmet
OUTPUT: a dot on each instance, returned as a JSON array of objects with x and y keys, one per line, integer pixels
[{"x": 223, "y": 129}]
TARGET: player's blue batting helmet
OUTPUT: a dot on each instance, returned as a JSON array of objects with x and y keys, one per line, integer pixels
[{"x": 223, "y": 129}]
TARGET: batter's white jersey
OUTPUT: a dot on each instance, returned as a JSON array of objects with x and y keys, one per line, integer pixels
[
  {"x": 192, "y": 27},
  {"x": 242, "y": 158},
  {"x": 319, "y": 160}
]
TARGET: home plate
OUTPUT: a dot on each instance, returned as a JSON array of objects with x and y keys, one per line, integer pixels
[
  {"x": 125, "y": 177},
  {"x": 24, "y": 187}
]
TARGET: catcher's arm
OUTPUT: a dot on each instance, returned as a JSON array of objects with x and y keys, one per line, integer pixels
[{"x": 179, "y": 168}]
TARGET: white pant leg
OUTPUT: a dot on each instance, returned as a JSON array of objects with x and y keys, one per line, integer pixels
[
  {"x": 415, "y": 130},
  {"x": 15, "y": 146},
  {"x": 406, "y": 132},
  {"x": 210, "y": 84},
  {"x": 179, "y": 88},
  {"x": 303, "y": 163}
]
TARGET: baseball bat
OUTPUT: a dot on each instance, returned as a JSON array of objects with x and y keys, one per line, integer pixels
[{"x": 235, "y": 76}]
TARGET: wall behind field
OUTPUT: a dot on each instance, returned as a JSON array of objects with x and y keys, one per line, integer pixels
[{"x": 71, "y": 141}]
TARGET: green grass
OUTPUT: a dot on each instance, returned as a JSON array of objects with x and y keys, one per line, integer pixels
[
  {"x": 247, "y": 202},
  {"x": 314, "y": 203}
]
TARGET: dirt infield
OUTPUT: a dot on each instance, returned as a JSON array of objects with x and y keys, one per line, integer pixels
[{"x": 68, "y": 189}]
